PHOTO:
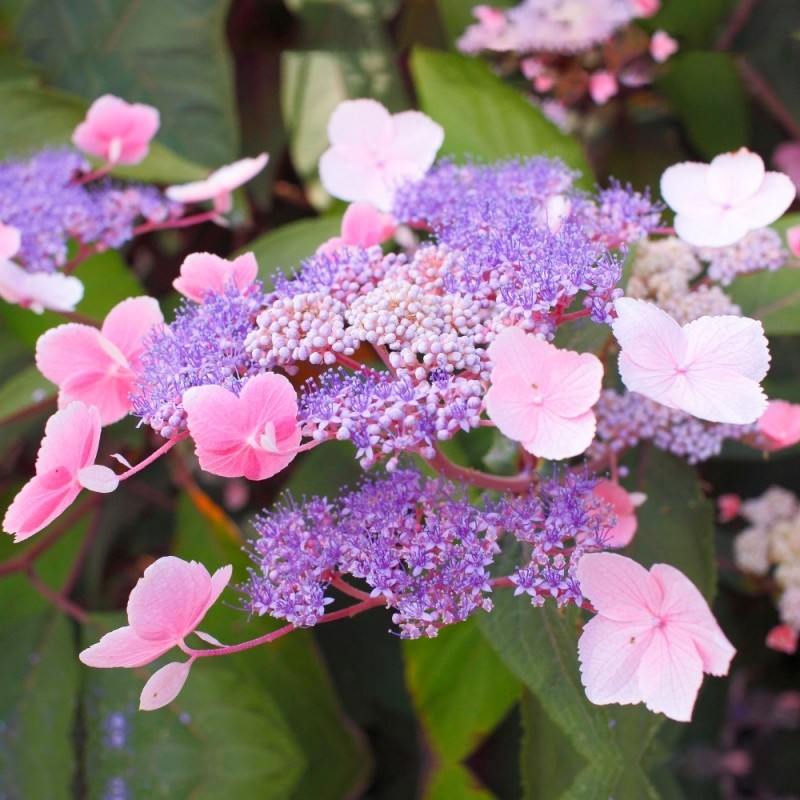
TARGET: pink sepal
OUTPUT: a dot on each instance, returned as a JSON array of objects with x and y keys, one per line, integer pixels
[{"x": 164, "y": 685}]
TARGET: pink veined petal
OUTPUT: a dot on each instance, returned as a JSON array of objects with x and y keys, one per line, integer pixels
[
  {"x": 623, "y": 532},
  {"x": 170, "y": 599},
  {"x": 204, "y": 272},
  {"x": 228, "y": 431},
  {"x": 732, "y": 343},
  {"x": 219, "y": 580},
  {"x": 71, "y": 439},
  {"x": 572, "y": 382},
  {"x": 560, "y": 437},
  {"x": 363, "y": 224},
  {"x": 417, "y": 139},
  {"x": 711, "y": 227},
  {"x": 610, "y": 653},
  {"x": 97, "y": 478},
  {"x": 670, "y": 673},
  {"x": 510, "y": 405},
  {"x": 362, "y": 123},
  {"x": 733, "y": 177},
  {"x": 10, "y": 241},
  {"x": 54, "y": 291},
  {"x": 123, "y": 647},
  {"x": 780, "y": 423},
  {"x": 776, "y": 194},
  {"x": 684, "y": 187},
  {"x": 685, "y": 608},
  {"x": 164, "y": 685},
  {"x": 508, "y": 351},
  {"x": 345, "y": 174},
  {"x": 618, "y": 587},
  {"x": 220, "y": 183},
  {"x": 129, "y": 322},
  {"x": 41, "y": 500}
]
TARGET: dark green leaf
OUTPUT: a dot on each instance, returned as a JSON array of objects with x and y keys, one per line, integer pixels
[
  {"x": 26, "y": 389},
  {"x": 693, "y": 22},
  {"x": 708, "y": 95},
  {"x": 771, "y": 297},
  {"x": 169, "y": 53},
  {"x": 482, "y": 116},
  {"x": 455, "y": 782},
  {"x": 460, "y": 688}
]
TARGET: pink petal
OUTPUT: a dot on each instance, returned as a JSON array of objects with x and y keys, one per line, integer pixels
[
  {"x": 71, "y": 439},
  {"x": 662, "y": 46},
  {"x": 363, "y": 224},
  {"x": 618, "y": 587},
  {"x": 41, "y": 500},
  {"x": 612, "y": 493},
  {"x": 218, "y": 184},
  {"x": 86, "y": 367},
  {"x": 509, "y": 402},
  {"x": 129, "y": 322},
  {"x": 39, "y": 290},
  {"x": 685, "y": 609},
  {"x": 204, "y": 272},
  {"x": 610, "y": 653},
  {"x": 780, "y": 424},
  {"x": 732, "y": 343},
  {"x": 164, "y": 685},
  {"x": 786, "y": 157},
  {"x": 416, "y": 141},
  {"x": 123, "y": 647},
  {"x": 561, "y": 437},
  {"x": 361, "y": 124},
  {"x": 684, "y": 187},
  {"x": 10, "y": 241},
  {"x": 230, "y": 433},
  {"x": 602, "y": 86},
  {"x": 97, "y": 478},
  {"x": 734, "y": 177},
  {"x": 793, "y": 240},
  {"x": 172, "y": 597},
  {"x": 670, "y": 673},
  {"x": 782, "y": 638}
]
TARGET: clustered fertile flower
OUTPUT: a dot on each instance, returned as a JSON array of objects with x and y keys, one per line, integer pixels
[
  {"x": 42, "y": 198},
  {"x": 759, "y": 250},
  {"x": 421, "y": 546}
]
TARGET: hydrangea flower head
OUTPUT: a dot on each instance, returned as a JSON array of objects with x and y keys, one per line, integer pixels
[
  {"x": 542, "y": 396},
  {"x": 117, "y": 131},
  {"x": 710, "y": 368},
  {"x": 716, "y": 204},
  {"x": 372, "y": 151},
  {"x": 165, "y": 606},
  {"x": 97, "y": 366},
  {"x": 64, "y": 466},
  {"x": 219, "y": 185},
  {"x": 652, "y": 639}
]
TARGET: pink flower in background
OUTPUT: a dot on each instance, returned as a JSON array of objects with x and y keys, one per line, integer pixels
[
  {"x": 716, "y": 204},
  {"x": 10, "y": 241},
  {"x": 204, "y": 272},
  {"x": 362, "y": 226},
  {"x": 373, "y": 151},
  {"x": 645, "y": 8},
  {"x": 219, "y": 185},
  {"x": 542, "y": 396},
  {"x": 624, "y": 505},
  {"x": 793, "y": 240},
  {"x": 782, "y": 638},
  {"x": 786, "y": 157},
  {"x": 602, "y": 86},
  {"x": 710, "y": 368},
  {"x": 117, "y": 131},
  {"x": 64, "y": 466},
  {"x": 780, "y": 424},
  {"x": 662, "y": 46},
  {"x": 97, "y": 367},
  {"x": 652, "y": 639},
  {"x": 254, "y": 435},
  {"x": 728, "y": 506},
  {"x": 166, "y": 605}
]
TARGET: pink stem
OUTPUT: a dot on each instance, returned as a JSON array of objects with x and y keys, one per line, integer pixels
[
  {"x": 185, "y": 222},
  {"x": 167, "y": 446},
  {"x": 500, "y": 483}
]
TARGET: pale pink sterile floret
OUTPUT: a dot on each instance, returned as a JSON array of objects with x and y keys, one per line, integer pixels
[
  {"x": 219, "y": 185},
  {"x": 793, "y": 240},
  {"x": 39, "y": 290},
  {"x": 64, "y": 466},
  {"x": 716, "y": 204},
  {"x": 254, "y": 435},
  {"x": 541, "y": 396},
  {"x": 205, "y": 272},
  {"x": 372, "y": 151},
  {"x": 97, "y": 366},
  {"x": 362, "y": 226},
  {"x": 783, "y": 639},
  {"x": 624, "y": 505},
  {"x": 165, "y": 606},
  {"x": 662, "y": 46},
  {"x": 10, "y": 241},
  {"x": 652, "y": 639},
  {"x": 602, "y": 86},
  {"x": 117, "y": 131},
  {"x": 710, "y": 367},
  {"x": 779, "y": 425}
]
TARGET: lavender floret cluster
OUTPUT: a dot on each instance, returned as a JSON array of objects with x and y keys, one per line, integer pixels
[
  {"x": 203, "y": 346},
  {"x": 624, "y": 420},
  {"x": 420, "y": 545},
  {"x": 43, "y": 200}
]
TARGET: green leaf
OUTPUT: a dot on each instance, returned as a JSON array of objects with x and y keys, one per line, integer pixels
[
  {"x": 171, "y": 54},
  {"x": 676, "y": 522},
  {"x": 708, "y": 95},
  {"x": 107, "y": 281},
  {"x": 288, "y": 671},
  {"x": 460, "y": 688},
  {"x": 222, "y": 737},
  {"x": 482, "y": 116},
  {"x": 27, "y": 388},
  {"x": 693, "y": 22},
  {"x": 456, "y": 16},
  {"x": 283, "y": 249},
  {"x": 38, "y": 696},
  {"x": 455, "y": 782},
  {"x": 773, "y": 298}
]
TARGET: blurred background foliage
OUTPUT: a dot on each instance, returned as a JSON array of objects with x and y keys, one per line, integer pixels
[{"x": 493, "y": 708}]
